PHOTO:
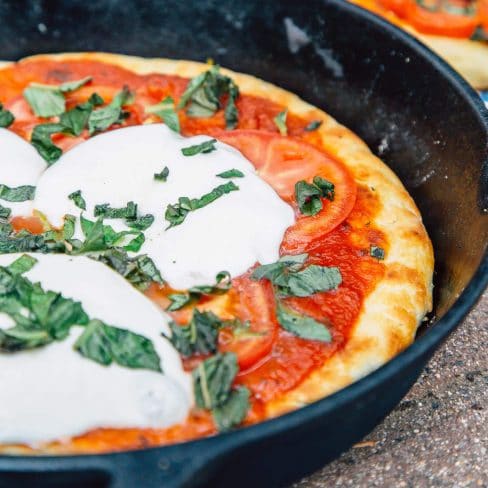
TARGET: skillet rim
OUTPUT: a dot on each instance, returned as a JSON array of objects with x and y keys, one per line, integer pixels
[{"x": 422, "y": 346}]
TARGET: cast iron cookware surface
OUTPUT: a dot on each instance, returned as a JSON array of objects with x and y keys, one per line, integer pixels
[{"x": 412, "y": 110}]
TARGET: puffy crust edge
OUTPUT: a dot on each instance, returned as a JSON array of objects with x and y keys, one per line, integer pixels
[{"x": 392, "y": 312}]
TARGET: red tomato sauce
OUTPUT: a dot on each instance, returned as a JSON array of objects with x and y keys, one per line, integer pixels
[{"x": 290, "y": 359}]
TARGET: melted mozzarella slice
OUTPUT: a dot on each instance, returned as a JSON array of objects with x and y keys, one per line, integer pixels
[
  {"x": 53, "y": 392},
  {"x": 232, "y": 233},
  {"x": 20, "y": 164}
]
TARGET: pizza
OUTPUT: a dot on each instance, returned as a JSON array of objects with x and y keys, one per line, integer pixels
[
  {"x": 186, "y": 250},
  {"x": 457, "y": 30}
]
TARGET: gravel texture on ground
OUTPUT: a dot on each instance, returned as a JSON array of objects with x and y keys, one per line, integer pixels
[{"x": 438, "y": 435}]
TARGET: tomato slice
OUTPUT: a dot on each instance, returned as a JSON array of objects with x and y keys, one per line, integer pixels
[
  {"x": 441, "y": 22},
  {"x": 256, "y": 305},
  {"x": 399, "y": 7},
  {"x": 282, "y": 161}
]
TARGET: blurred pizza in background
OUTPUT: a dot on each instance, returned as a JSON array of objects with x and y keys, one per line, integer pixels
[{"x": 456, "y": 29}]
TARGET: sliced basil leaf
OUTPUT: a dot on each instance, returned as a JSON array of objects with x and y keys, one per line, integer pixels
[
  {"x": 102, "y": 118},
  {"x": 5, "y": 212},
  {"x": 106, "y": 211},
  {"x": 6, "y": 117},
  {"x": 301, "y": 325},
  {"x": 314, "y": 125},
  {"x": 77, "y": 199},
  {"x": 204, "y": 147},
  {"x": 204, "y": 92},
  {"x": 48, "y": 100},
  {"x": 163, "y": 175},
  {"x": 308, "y": 198},
  {"x": 280, "y": 122},
  {"x": 166, "y": 111},
  {"x": 69, "y": 227},
  {"x": 180, "y": 300},
  {"x": 377, "y": 252},
  {"x": 76, "y": 119},
  {"x": 141, "y": 223},
  {"x": 231, "y": 173},
  {"x": 326, "y": 187},
  {"x": 176, "y": 214},
  {"x": 213, "y": 378},
  {"x": 274, "y": 270},
  {"x": 22, "y": 264},
  {"x": 41, "y": 140},
  {"x": 17, "y": 194},
  {"x": 106, "y": 344},
  {"x": 231, "y": 413},
  {"x": 199, "y": 336}
]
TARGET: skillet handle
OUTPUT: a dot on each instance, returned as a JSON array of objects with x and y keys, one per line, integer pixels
[{"x": 179, "y": 466}]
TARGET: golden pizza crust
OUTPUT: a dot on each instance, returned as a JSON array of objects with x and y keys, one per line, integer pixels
[{"x": 394, "y": 309}]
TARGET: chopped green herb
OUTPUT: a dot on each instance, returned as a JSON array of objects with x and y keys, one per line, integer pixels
[
  {"x": 48, "y": 100},
  {"x": 68, "y": 227},
  {"x": 199, "y": 336},
  {"x": 204, "y": 93},
  {"x": 77, "y": 199},
  {"x": 76, "y": 119},
  {"x": 107, "y": 212},
  {"x": 102, "y": 118},
  {"x": 176, "y": 214},
  {"x": 290, "y": 279},
  {"x": 231, "y": 173},
  {"x": 280, "y": 122},
  {"x": 141, "y": 223},
  {"x": 6, "y": 117},
  {"x": 41, "y": 140},
  {"x": 165, "y": 110},
  {"x": 212, "y": 380},
  {"x": 180, "y": 300},
  {"x": 204, "y": 148},
  {"x": 309, "y": 196},
  {"x": 22, "y": 264},
  {"x": 377, "y": 252},
  {"x": 17, "y": 194},
  {"x": 231, "y": 413},
  {"x": 106, "y": 344},
  {"x": 5, "y": 212},
  {"x": 163, "y": 175},
  {"x": 301, "y": 325},
  {"x": 314, "y": 125}
]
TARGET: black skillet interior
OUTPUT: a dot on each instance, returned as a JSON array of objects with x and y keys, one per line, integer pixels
[{"x": 411, "y": 109}]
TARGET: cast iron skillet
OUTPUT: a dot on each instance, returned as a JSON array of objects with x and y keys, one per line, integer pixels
[{"x": 411, "y": 109}]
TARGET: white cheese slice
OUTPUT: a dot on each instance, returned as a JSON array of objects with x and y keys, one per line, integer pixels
[
  {"x": 20, "y": 164},
  {"x": 232, "y": 233},
  {"x": 54, "y": 392}
]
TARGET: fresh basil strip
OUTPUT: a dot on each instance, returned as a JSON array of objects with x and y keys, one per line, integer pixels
[
  {"x": 76, "y": 119},
  {"x": 77, "y": 199},
  {"x": 301, "y": 325},
  {"x": 102, "y": 118},
  {"x": 163, "y": 175},
  {"x": 106, "y": 344},
  {"x": 5, "y": 212},
  {"x": 314, "y": 125},
  {"x": 41, "y": 140},
  {"x": 166, "y": 111},
  {"x": 17, "y": 194},
  {"x": 290, "y": 280},
  {"x": 199, "y": 336},
  {"x": 6, "y": 117},
  {"x": 141, "y": 223},
  {"x": 204, "y": 93},
  {"x": 377, "y": 252},
  {"x": 99, "y": 237},
  {"x": 480, "y": 34},
  {"x": 231, "y": 413},
  {"x": 280, "y": 122},
  {"x": 309, "y": 196},
  {"x": 212, "y": 380},
  {"x": 176, "y": 214},
  {"x": 204, "y": 148},
  {"x": 69, "y": 227},
  {"x": 48, "y": 100},
  {"x": 231, "y": 173},
  {"x": 180, "y": 300},
  {"x": 40, "y": 316},
  {"x": 106, "y": 211}
]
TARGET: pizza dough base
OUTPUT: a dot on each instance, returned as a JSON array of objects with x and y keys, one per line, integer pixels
[{"x": 392, "y": 312}]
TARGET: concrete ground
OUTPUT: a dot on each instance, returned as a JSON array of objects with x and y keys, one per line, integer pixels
[{"x": 438, "y": 435}]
